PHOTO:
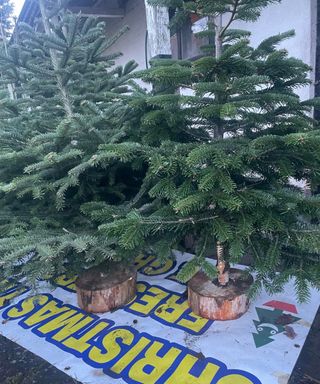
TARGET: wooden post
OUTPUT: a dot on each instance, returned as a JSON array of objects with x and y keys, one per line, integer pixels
[{"x": 158, "y": 31}]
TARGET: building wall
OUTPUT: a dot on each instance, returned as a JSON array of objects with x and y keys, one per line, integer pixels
[
  {"x": 299, "y": 15},
  {"x": 131, "y": 44}
]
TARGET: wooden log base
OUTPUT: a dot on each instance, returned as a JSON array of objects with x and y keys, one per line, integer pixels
[
  {"x": 210, "y": 300},
  {"x": 105, "y": 288}
]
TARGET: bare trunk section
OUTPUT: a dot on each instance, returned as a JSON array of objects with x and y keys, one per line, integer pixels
[
  {"x": 218, "y": 37},
  {"x": 223, "y": 276}
]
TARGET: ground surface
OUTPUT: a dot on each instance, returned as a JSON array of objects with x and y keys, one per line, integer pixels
[
  {"x": 306, "y": 370},
  {"x": 19, "y": 366}
]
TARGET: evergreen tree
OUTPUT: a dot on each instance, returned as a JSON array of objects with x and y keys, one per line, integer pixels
[
  {"x": 83, "y": 145},
  {"x": 70, "y": 99},
  {"x": 231, "y": 184}
]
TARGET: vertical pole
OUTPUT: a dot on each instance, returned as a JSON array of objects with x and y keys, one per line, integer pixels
[{"x": 158, "y": 30}]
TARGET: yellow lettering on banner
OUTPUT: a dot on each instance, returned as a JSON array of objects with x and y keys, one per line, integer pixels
[
  {"x": 182, "y": 375},
  {"x": 141, "y": 287},
  {"x": 64, "y": 281},
  {"x": 142, "y": 260},
  {"x": 159, "y": 365},
  {"x": 197, "y": 325},
  {"x": 148, "y": 302},
  {"x": 44, "y": 313},
  {"x": 11, "y": 295},
  {"x": 126, "y": 359},
  {"x": 111, "y": 345},
  {"x": 234, "y": 379},
  {"x": 177, "y": 309},
  {"x": 82, "y": 344},
  {"x": 26, "y": 306},
  {"x": 69, "y": 323},
  {"x": 72, "y": 286},
  {"x": 155, "y": 268}
]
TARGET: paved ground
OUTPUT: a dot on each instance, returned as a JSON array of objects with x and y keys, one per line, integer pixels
[
  {"x": 307, "y": 369},
  {"x": 19, "y": 366}
]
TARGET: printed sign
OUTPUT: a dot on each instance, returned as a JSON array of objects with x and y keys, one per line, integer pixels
[{"x": 156, "y": 338}]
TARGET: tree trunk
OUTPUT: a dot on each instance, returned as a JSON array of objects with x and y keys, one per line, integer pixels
[
  {"x": 211, "y": 301},
  {"x": 218, "y": 37},
  {"x": 100, "y": 290}
]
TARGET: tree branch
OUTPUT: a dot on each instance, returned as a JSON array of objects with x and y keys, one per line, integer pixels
[{"x": 233, "y": 14}]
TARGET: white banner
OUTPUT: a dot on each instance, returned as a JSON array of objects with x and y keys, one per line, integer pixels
[{"x": 156, "y": 339}]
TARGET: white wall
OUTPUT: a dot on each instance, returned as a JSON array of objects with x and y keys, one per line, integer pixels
[
  {"x": 299, "y": 15},
  {"x": 132, "y": 44}
]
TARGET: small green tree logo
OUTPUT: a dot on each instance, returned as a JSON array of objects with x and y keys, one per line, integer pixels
[{"x": 270, "y": 323}]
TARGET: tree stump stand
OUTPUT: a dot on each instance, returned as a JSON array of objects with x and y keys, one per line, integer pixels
[
  {"x": 102, "y": 289},
  {"x": 212, "y": 301}
]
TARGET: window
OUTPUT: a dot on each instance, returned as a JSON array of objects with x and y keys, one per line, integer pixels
[{"x": 185, "y": 44}]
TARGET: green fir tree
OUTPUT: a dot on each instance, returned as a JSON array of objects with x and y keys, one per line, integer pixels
[
  {"x": 93, "y": 170},
  {"x": 69, "y": 100},
  {"x": 230, "y": 184}
]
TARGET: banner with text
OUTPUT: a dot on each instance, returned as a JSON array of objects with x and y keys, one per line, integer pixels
[{"x": 156, "y": 338}]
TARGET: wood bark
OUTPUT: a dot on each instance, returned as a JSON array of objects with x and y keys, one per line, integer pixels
[
  {"x": 100, "y": 291},
  {"x": 210, "y": 300}
]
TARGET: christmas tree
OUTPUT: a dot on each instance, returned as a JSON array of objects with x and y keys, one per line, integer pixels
[
  {"x": 95, "y": 170},
  {"x": 70, "y": 98},
  {"x": 230, "y": 183}
]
